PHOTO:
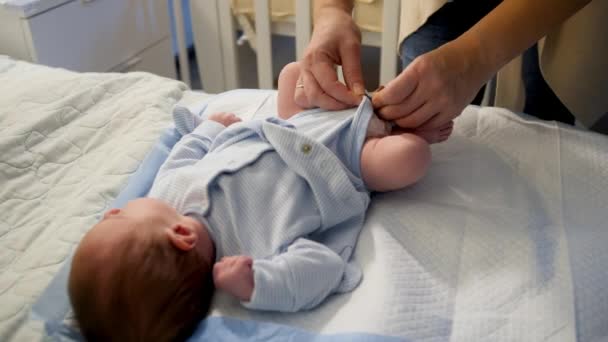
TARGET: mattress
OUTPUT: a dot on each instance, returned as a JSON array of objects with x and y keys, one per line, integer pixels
[
  {"x": 503, "y": 240},
  {"x": 69, "y": 143}
]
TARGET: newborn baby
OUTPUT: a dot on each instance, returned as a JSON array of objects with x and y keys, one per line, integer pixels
[{"x": 268, "y": 211}]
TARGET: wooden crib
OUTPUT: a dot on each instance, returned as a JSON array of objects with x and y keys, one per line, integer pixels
[{"x": 214, "y": 25}]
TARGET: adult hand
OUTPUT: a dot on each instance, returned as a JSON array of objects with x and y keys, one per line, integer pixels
[
  {"x": 336, "y": 40},
  {"x": 433, "y": 89}
]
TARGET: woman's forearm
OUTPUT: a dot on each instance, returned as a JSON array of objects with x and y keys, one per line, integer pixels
[{"x": 511, "y": 28}]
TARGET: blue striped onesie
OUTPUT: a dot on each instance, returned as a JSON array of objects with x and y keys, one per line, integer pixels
[{"x": 288, "y": 193}]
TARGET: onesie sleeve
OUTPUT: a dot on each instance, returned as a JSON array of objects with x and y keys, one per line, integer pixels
[
  {"x": 192, "y": 147},
  {"x": 298, "y": 279}
]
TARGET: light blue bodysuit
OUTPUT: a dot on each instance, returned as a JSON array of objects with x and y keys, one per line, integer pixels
[{"x": 288, "y": 193}]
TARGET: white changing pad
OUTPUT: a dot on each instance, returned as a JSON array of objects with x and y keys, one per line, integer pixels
[
  {"x": 503, "y": 240},
  {"x": 68, "y": 144}
]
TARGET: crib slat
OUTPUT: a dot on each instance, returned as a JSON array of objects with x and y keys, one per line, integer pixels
[
  {"x": 205, "y": 29},
  {"x": 184, "y": 64},
  {"x": 390, "y": 35},
  {"x": 303, "y": 26},
  {"x": 264, "y": 44},
  {"x": 228, "y": 41}
]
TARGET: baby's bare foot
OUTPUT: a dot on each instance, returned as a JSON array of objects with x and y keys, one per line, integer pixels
[{"x": 436, "y": 135}]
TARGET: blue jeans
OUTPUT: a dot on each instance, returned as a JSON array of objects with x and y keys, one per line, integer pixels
[{"x": 455, "y": 18}]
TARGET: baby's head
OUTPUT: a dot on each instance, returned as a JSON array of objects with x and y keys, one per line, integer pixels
[{"x": 143, "y": 273}]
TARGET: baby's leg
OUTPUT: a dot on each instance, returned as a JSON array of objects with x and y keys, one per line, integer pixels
[
  {"x": 287, "y": 89},
  {"x": 395, "y": 161}
]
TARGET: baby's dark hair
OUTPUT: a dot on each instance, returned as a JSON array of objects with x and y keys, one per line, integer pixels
[{"x": 151, "y": 292}]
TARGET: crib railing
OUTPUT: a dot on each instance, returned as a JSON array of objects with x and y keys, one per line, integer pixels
[{"x": 214, "y": 33}]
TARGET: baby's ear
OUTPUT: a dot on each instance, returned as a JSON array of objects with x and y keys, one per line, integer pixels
[{"x": 182, "y": 237}]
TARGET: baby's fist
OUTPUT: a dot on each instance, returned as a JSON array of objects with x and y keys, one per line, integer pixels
[
  {"x": 225, "y": 119},
  {"x": 234, "y": 274}
]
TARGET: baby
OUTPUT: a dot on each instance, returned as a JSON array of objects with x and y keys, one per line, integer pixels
[{"x": 268, "y": 211}]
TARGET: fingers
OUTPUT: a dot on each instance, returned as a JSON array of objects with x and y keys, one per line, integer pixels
[
  {"x": 432, "y": 90},
  {"x": 407, "y": 106},
  {"x": 418, "y": 117},
  {"x": 402, "y": 101},
  {"x": 439, "y": 120},
  {"x": 397, "y": 90},
  {"x": 317, "y": 95},
  {"x": 409, "y": 103},
  {"x": 300, "y": 97},
  {"x": 327, "y": 78},
  {"x": 351, "y": 68},
  {"x": 291, "y": 98},
  {"x": 446, "y": 130},
  {"x": 320, "y": 80}
]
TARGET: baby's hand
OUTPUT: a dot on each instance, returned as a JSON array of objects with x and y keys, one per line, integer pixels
[
  {"x": 234, "y": 274},
  {"x": 225, "y": 119}
]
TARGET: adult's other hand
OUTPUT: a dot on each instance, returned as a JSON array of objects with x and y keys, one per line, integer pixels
[
  {"x": 433, "y": 89},
  {"x": 336, "y": 40}
]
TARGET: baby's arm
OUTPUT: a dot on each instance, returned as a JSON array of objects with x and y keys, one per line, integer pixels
[
  {"x": 194, "y": 146},
  {"x": 298, "y": 279},
  {"x": 395, "y": 161}
]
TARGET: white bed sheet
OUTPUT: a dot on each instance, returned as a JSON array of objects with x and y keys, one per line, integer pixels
[
  {"x": 68, "y": 143},
  {"x": 503, "y": 240}
]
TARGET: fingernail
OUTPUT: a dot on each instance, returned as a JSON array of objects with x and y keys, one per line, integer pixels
[
  {"x": 358, "y": 89},
  {"x": 376, "y": 102},
  {"x": 359, "y": 92}
]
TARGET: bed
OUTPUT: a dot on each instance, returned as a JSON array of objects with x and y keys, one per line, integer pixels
[{"x": 503, "y": 240}]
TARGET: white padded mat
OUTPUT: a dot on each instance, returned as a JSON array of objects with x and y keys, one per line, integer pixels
[
  {"x": 503, "y": 240},
  {"x": 68, "y": 143}
]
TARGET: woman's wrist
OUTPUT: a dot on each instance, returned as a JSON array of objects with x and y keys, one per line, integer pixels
[
  {"x": 511, "y": 28},
  {"x": 322, "y": 7},
  {"x": 475, "y": 61}
]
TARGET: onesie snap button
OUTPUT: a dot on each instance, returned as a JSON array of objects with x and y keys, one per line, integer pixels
[{"x": 306, "y": 148}]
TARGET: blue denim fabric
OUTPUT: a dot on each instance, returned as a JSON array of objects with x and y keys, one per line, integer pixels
[
  {"x": 447, "y": 24},
  {"x": 455, "y": 18},
  {"x": 541, "y": 101}
]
